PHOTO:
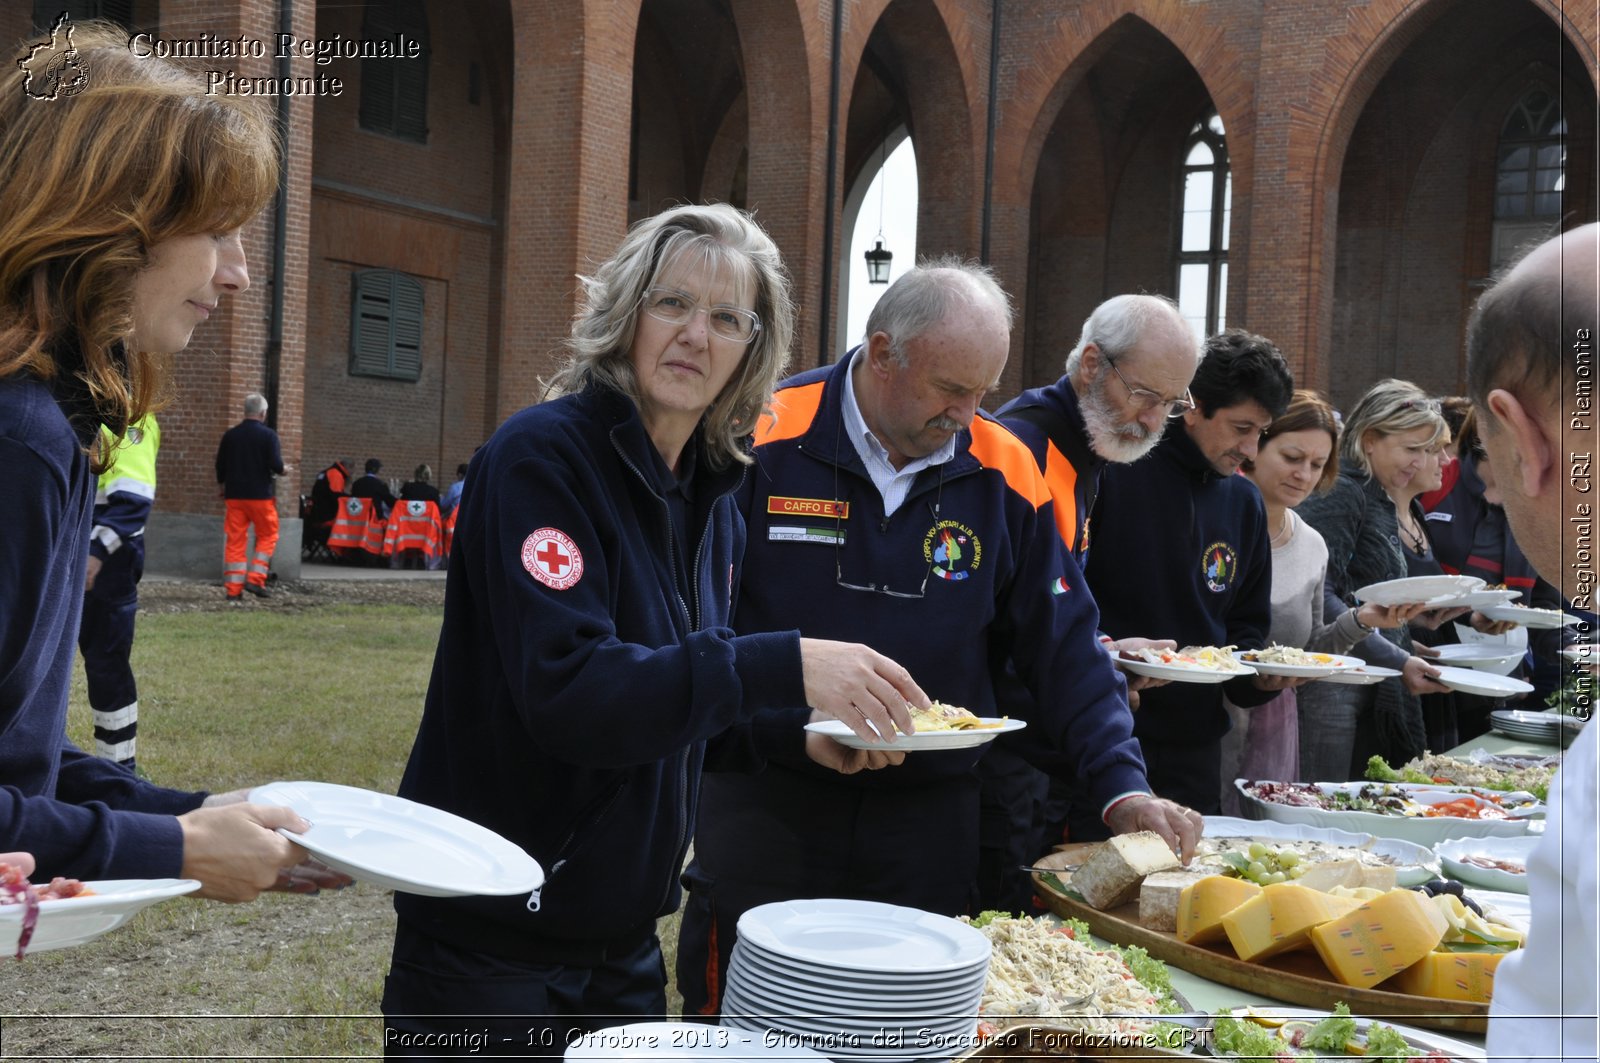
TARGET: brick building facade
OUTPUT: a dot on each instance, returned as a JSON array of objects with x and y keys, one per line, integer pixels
[{"x": 1366, "y": 146}]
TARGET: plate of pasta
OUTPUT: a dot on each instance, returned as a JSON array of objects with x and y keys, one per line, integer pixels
[{"x": 1192, "y": 664}]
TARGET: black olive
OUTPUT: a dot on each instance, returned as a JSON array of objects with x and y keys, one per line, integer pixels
[
  {"x": 1456, "y": 889},
  {"x": 1470, "y": 903}
]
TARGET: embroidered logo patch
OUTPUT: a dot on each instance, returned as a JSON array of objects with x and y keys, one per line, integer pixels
[
  {"x": 416, "y": 508},
  {"x": 808, "y": 507},
  {"x": 1218, "y": 565},
  {"x": 952, "y": 549},
  {"x": 784, "y": 533},
  {"x": 552, "y": 558},
  {"x": 1059, "y": 586},
  {"x": 352, "y": 506}
]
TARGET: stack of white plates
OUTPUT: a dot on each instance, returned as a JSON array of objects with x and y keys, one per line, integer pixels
[
  {"x": 1549, "y": 727},
  {"x": 857, "y": 980}
]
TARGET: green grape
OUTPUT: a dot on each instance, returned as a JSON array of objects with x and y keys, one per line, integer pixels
[
  {"x": 1257, "y": 871},
  {"x": 1257, "y": 850},
  {"x": 1297, "y": 871},
  {"x": 1288, "y": 858},
  {"x": 1276, "y": 877}
]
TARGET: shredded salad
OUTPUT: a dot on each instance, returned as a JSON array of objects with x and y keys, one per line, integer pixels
[
  {"x": 1042, "y": 968},
  {"x": 1211, "y": 658}
]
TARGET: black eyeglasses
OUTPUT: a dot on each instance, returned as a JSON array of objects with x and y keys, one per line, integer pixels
[{"x": 838, "y": 549}]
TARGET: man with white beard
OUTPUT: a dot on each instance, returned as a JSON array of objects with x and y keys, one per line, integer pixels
[{"x": 1127, "y": 376}]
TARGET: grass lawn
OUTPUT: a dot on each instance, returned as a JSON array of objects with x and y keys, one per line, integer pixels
[{"x": 232, "y": 698}]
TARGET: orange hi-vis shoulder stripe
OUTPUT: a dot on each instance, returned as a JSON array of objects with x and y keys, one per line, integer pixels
[
  {"x": 793, "y": 410},
  {"x": 1062, "y": 479},
  {"x": 997, "y": 448}
]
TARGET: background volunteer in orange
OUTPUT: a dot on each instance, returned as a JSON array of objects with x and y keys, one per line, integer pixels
[{"x": 247, "y": 460}]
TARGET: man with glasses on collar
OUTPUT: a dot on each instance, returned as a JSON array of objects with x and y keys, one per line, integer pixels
[
  {"x": 885, "y": 507},
  {"x": 1127, "y": 376},
  {"x": 1181, "y": 550}
]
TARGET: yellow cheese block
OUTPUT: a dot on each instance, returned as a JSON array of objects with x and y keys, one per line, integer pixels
[
  {"x": 1449, "y": 975},
  {"x": 1381, "y": 938},
  {"x": 1202, "y": 906},
  {"x": 1280, "y": 918}
]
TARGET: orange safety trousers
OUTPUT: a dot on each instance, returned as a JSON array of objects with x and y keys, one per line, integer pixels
[{"x": 243, "y": 513}]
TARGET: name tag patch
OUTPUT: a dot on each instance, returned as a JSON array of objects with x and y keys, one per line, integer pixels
[
  {"x": 808, "y": 507},
  {"x": 790, "y": 533}
]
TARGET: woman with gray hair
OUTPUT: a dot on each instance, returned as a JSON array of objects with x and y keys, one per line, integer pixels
[
  {"x": 585, "y": 658},
  {"x": 1362, "y": 519}
]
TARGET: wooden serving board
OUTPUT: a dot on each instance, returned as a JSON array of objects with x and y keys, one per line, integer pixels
[{"x": 1295, "y": 977}]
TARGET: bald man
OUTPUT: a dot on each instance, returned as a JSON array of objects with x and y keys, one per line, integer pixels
[{"x": 1531, "y": 365}]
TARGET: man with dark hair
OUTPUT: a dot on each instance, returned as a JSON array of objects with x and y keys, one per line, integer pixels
[
  {"x": 248, "y": 458},
  {"x": 1182, "y": 551},
  {"x": 1531, "y": 369},
  {"x": 370, "y": 485}
]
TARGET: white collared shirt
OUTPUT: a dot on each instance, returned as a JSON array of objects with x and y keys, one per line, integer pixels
[{"x": 893, "y": 484}]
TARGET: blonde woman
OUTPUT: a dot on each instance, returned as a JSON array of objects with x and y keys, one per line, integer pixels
[
  {"x": 1363, "y": 518},
  {"x": 585, "y": 658}
]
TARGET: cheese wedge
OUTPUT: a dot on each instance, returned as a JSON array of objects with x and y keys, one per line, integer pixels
[
  {"x": 1381, "y": 938},
  {"x": 1202, "y": 906},
  {"x": 1113, "y": 872},
  {"x": 1160, "y": 895},
  {"x": 1450, "y": 976},
  {"x": 1280, "y": 919}
]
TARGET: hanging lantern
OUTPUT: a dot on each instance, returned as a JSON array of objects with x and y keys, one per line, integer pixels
[{"x": 878, "y": 264}]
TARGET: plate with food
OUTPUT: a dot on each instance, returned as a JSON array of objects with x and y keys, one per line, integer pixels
[
  {"x": 66, "y": 912},
  {"x": 1493, "y": 863},
  {"x": 1295, "y": 662},
  {"x": 1417, "y": 813},
  {"x": 1192, "y": 664},
  {"x": 403, "y": 845},
  {"x": 1479, "y": 769},
  {"x": 1298, "y": 1033},
  {"x": 1472, "y": 681},
  {"x": 1231, "y": 846},
  {"x": 1365, "y": 675},
  {"x": 1427, "y": 590},
  {"x": 939, "y": 726},
  {"x": 1529, "y": 616}
]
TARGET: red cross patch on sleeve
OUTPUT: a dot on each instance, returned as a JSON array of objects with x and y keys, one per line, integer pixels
[{"x": 552, "y": 558}]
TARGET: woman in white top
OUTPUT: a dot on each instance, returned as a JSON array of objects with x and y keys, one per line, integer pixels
[{"x": 1298, "y": 455}]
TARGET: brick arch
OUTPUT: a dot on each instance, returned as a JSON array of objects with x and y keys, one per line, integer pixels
[
  {"x": 1321, "y": 128},
  {"x": 1063, "y": 50},
  {"x": 940, "y": 43},
  {"x": 786, "y": 103}
]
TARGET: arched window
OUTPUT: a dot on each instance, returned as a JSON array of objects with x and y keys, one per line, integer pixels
[
  {"x": 394, "y": 91},
  {"x": 1205, "y": 211},
  {"x": 1530, "y": 173}
]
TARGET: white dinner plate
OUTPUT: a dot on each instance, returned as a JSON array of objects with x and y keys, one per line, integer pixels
[
  {"x": 1539, "y": 619},
  {"x": 773, "y": 967},
  {"x": 1453, "y": 858},
  {"x": 863, "y": 936},
  {"x": 1413, "y": 864},
  {"x": 680, "y": 1040},
  {"x": 1336, "y": 663},
  {"x": 1425, "y": 1041},
  {"x": 402, "y": 845},
  {"x": 75, "y": 920},
  {"x": 1425, "y": 589},
  {"x": 1426, "y": 831},
  {"x": 1471, "y": 681},
  {"x": 841, "y": 733},
  {"x": 1364, "y": 676},
  {"x": 1483, "y": 656},
  {"x": 1182, "y": 673},
  {"x": 1509, "y": 909},
  {"x": 1479, "y": 599}
]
